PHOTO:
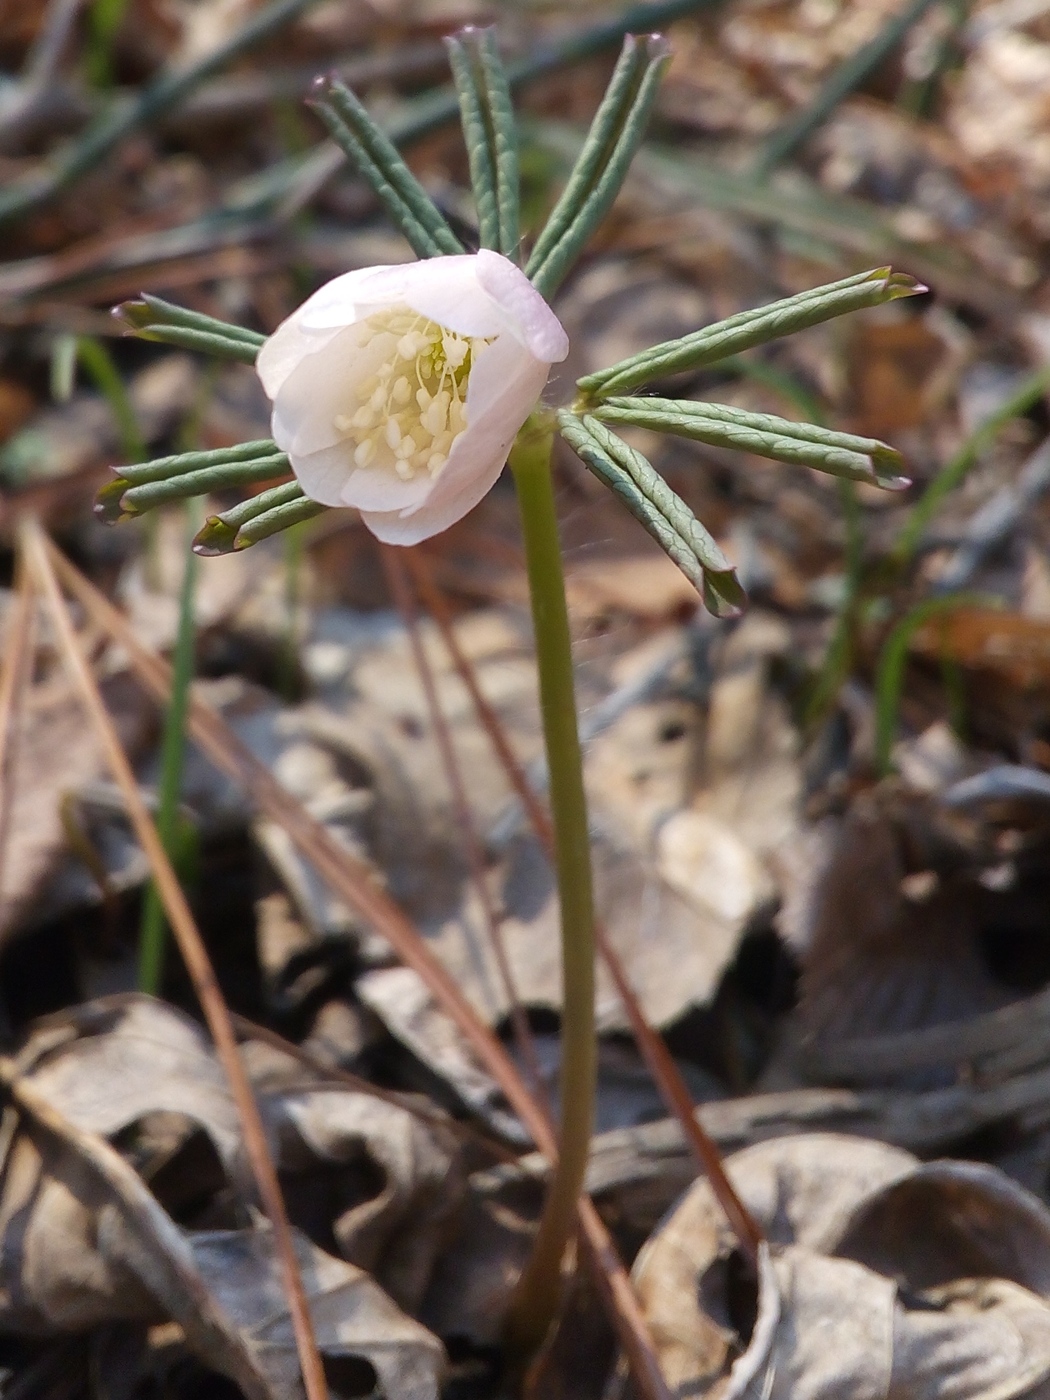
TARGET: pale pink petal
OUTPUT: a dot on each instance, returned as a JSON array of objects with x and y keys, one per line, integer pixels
[
  {"x": 280, "y": 354},
  {"x": 379, "y": 488},
  {"x": 352, "y": 296},
  {"x": 320, "y": 388},
  {"x": 311, "y": 365},
  {"x": 529, "y": 318},
  {"x": 322, "y": 475},
  {"x": 342, "y": 302}
]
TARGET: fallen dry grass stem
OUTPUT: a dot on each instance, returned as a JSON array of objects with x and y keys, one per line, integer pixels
[
  {"x": 353, "y": 882},
  {"x": 198, "y": 965},
  {"x": 14, "y": 678},
  {"x": 415, "y": 1104},
  {"x": 406, "y": 605},
  {"x": 654, "y": 1050}
]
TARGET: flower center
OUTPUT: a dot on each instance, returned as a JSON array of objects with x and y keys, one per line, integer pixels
[{"x": 407, "y": 415}]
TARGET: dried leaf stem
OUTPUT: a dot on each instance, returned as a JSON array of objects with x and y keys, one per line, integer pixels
[
  {"x": 18, "y": 662},
  {"x": 353, "y": 882},
  {"x": 194, "y": 954}
]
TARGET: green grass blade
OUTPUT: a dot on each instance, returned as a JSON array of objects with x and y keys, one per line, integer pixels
[
  {"x": 153, "y": 929},
  {"x": 893, "y": 659},
  {"x": 158, "y": 97},
  {"x": 99, "y": 366},
  {"x": 850, "y": 74},
  {"x": 954, "y": 472}
]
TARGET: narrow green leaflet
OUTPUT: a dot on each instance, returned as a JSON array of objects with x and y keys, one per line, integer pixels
[
  {"x": 783, "y": 440},
  {"x": 255, "y": 519},
  {"x": 152, "y": 318},
  {"x": 601, "y": 167},
  {"x": 490, "y": 132},
  {"x": 160, "y": 468},
  {"x": 478, "y": 138},
  {"x": 504, "y": 129},
  {"x": 749, "y": 328},
  {"x": 660, "y": 510},
  {"x": 144, "y": 486},
  {"x": 378, "y": 162}
]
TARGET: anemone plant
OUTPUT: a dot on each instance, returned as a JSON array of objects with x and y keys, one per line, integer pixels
[{"x": 402, "y": 392}]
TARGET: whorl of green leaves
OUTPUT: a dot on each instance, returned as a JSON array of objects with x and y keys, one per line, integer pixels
[
  {"x": 614, "y": 136},
  {"x": 660, "y": 510},
  {"x": 152, "y": 318},
  {"x": 782, "y": 439},
  {"x": 379, "y": 163},
  {"x": 750, "y": 328},
  {"x": 490, "y": 133}
]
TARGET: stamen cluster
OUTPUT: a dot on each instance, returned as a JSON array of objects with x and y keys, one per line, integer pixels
[{"x": 412, "y": 409}]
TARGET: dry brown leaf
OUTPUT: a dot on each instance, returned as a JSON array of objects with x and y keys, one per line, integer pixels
[
  {"x": 882, "y": 1277},
  {"x": 85, "y": 1242},
  {"x": 55, "y": 754},
  {"x": 991, "y": 639},
  {"x": 885, "y": 943}
]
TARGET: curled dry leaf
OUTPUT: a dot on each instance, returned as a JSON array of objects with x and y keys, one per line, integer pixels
[
  {"x": 84, "y": 1241},
  {"x": 882, "y": 913},
  {"x": 883, "y": 1277}
]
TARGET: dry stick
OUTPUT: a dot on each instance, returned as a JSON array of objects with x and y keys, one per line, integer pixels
[
  {"x": 18, "y": 660},
  {"x": 654, "y": 1049},
  {"x": 406, "y": 606},
  {"x": 194, "y": 955},
  {"x": 354, "y": 882},
  {"x": 415, "y": 1104}
]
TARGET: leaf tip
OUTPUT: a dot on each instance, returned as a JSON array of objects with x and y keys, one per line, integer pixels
[
  {"x": 109, "y": 503},
  {"x": 902, "y": 284},
  {"x": 136, "y": 315},
  {"x": 723, "y": 594},
  {"x": 214, "y": 537}
]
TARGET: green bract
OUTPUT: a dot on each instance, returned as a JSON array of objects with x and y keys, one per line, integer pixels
[{"x": 750, "y": 328}]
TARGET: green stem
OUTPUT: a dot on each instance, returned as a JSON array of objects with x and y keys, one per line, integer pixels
[
  {"x": 536, "y": 1300},
  {"x": 154, "y": 926}
]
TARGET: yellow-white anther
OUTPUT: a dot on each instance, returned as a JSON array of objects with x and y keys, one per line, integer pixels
[{"x": 407, "y": 415}]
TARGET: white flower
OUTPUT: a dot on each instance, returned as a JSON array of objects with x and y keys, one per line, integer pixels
[{"x": 399, "y": 390}]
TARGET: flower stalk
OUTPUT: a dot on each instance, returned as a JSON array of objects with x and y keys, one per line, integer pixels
[{"x": 536, "y": 1300}]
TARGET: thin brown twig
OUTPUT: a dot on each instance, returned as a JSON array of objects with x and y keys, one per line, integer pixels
[
  {"x": 14, "y": 679},
  {"x": 352, "y": 881},
  {"x": 406, "y": 606},
  {"x": 194, "y": 955},
  {"x": 414, "y": 1104},
  {"x": 658, "y": 1058}
]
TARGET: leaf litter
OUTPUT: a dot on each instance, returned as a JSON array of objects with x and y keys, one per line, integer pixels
[{"x": 849, "y": 969}]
